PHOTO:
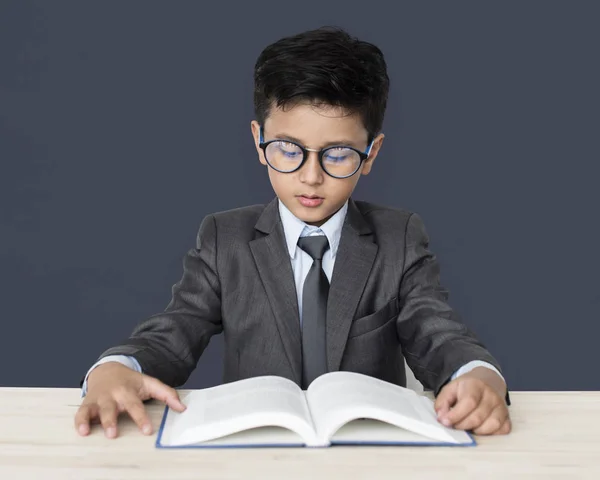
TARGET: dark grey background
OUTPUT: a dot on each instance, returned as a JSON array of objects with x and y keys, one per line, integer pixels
[{"x": 123, "y": 123}]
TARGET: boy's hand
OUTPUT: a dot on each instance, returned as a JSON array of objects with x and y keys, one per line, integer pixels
[
  {"x": 114, "y": 388},
  {"x": 475, "y": 401}
]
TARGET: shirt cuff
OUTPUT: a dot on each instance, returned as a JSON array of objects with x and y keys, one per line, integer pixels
[
  {"x": 471, "y": 365},
  {"x": 126, "y": 360}
]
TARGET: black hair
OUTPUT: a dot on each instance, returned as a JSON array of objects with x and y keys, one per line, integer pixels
[{"x": 324, "y": 66}]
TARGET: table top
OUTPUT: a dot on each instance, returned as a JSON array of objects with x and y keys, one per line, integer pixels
[{"x": 555, "y": 435}]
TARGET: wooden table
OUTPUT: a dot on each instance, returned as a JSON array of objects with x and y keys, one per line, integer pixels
[{"x": 556, "y": 435}]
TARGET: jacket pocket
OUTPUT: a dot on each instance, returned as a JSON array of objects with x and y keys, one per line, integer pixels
[{"x": 363, "y": 325}]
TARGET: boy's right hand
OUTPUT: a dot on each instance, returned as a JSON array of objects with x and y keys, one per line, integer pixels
[{"x": 113, "y": 388}]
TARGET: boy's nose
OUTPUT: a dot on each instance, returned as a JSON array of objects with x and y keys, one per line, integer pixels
[{"x": 311, "y": 172}]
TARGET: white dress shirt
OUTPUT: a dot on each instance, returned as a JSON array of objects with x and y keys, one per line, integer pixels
[{"x": 295, "y": 228}]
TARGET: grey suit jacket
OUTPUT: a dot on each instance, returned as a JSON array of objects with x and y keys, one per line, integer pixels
[{"x": 385, "y": 303}]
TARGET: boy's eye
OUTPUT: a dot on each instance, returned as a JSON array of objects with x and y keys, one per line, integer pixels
[
  {"x": 289, "y": 149},
  {"x": 339, "y": 154}
]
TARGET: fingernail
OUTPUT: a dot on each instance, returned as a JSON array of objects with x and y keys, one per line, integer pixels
[
  {"x": 446, "y": 422},
  {"x": 147, "y": 429},
  {"x": 111, "y": 432},
  {"x": 83, "y": 429}
]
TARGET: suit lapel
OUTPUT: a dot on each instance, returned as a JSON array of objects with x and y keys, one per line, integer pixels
[
  {"x": 275, "y": 270},
  {"x": 354, "y": 260}
]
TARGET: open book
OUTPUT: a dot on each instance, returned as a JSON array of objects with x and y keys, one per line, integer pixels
[{"x": 339, "y": 408}]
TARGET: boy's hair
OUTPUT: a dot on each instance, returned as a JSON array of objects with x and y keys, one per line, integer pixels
[{"x": 323, "y": 66}]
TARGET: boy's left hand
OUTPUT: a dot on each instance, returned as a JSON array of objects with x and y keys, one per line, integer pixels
[{"x": 475, "y": 401}]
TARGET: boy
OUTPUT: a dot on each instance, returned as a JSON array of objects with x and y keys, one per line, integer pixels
[{"x": 314, "y": 281}]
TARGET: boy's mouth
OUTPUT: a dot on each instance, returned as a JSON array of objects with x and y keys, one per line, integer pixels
[{"x": 310, "y": 200}]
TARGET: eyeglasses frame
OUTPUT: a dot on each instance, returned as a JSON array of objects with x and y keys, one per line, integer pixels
[{"x": 363, "y": 155}]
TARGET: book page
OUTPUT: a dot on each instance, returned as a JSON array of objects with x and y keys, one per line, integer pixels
[
  {"x": 257, "y": 437},
  {"x": 366, "y": 431},
  {"x": 219, "y": 411},
  {"x": 338, "y": 398}
]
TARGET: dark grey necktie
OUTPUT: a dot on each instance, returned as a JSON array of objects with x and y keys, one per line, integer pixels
[{"x": 314, "y": 311}]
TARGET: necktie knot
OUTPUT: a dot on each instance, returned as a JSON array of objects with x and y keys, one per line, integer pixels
[{"x": 315, "y": 246}]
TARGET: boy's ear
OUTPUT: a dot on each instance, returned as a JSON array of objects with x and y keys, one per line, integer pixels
[
  {"x": 368, "y": 163},
  {"x": 255, "y": 128}
]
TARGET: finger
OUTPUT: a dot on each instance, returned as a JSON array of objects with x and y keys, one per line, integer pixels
[
  {"x": 84, "y": 416},
  {"x": 475, "y": 419},
  {"x": 442, "y": 413},
  {"x": 134, "y": 407},
  {"x": 446, "y": 399},
  {"x": 108, "y": 416},
  {"x": 506, "y": 428},
  {"x": 467, "y": 402},
  {"x": 479, "y": 415},
  {"x": 164, "y": 393},
  {"x": 493, "y": 423}
]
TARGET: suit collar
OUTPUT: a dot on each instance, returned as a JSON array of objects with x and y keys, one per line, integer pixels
[{"x": 269, "y": 218}]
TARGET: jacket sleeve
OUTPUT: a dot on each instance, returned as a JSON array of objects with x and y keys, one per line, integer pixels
[
  {"x": 435, "y": 341},
  {"x": 168, "y": 345}
]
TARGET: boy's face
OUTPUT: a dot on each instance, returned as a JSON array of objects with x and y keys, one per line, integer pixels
[{"x": 314, "y": 127}]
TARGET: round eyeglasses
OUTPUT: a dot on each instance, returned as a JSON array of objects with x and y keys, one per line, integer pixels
[{"x": 336, "y": 161}]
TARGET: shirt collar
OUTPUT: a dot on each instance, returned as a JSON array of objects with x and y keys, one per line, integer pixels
[{"x": 294, "y": 228}]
